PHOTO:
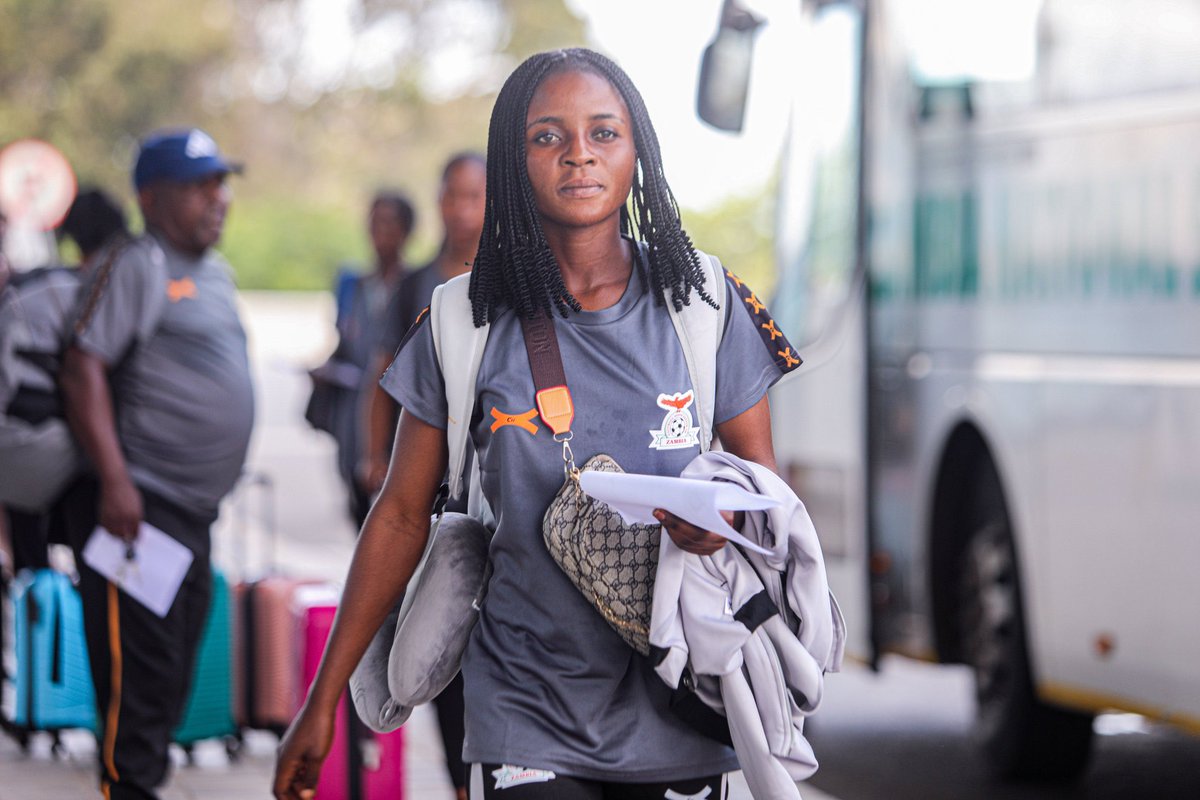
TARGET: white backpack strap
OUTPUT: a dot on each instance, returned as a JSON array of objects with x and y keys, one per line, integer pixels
[
  {"x": 459, "y": 346},
  {"x": 700, "y": 328}
]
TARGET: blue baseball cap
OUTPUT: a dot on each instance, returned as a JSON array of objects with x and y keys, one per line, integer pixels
[{"x": 181, "y": 155}]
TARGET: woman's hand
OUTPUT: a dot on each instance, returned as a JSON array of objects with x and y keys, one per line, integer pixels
[
  {"x": 301, "y": 753},
  {"x": 690, "y": 539}
]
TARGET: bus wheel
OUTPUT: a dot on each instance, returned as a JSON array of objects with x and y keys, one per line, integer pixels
[{"x": 1021, "y": 737}]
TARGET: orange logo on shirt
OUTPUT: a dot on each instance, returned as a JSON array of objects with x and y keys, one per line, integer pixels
[
  {"x": 770, "y": 328},
  {"x": 754, "y": 303},
  {"x": 522, "y": 421},
  {"x": 178, "y": 290},
  {"x": 789, "y": 360}
]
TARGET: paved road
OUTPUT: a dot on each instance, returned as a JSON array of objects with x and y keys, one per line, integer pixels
[{"x": 904, "y": 734}]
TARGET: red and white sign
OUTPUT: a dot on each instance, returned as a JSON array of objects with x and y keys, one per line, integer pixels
[{"x": 37, "y": 184}]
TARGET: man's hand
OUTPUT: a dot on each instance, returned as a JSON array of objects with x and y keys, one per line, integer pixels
[{"x": 121, "y": 508}]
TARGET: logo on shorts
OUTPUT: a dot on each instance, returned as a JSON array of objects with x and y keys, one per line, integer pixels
[
  {"x": 701, "y": 795},
  {"x": 509, "y": 776},
  {"x": 677, "y": 431}
]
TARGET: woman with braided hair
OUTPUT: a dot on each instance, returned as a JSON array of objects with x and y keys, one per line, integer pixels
[{"x": 580, "y": 229}]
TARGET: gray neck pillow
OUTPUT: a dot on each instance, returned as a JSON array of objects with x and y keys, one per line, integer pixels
[{"x": 418, "y": 649}]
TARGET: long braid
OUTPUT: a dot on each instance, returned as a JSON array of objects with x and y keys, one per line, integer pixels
[{"x": 514, "y": 266}]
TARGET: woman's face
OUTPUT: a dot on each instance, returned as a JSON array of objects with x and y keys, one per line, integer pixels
[
  {"x": 462, "y": 203},
  {"x": 387, "y": 230},
  {"x": 579, "y": 150}
]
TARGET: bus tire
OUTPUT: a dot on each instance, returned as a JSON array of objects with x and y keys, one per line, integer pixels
[{"x": 1021, "y": 737}]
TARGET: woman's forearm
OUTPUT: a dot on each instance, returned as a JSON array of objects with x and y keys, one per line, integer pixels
[
  {"x": 387, "y": 553},
  {"x": 389, "y": 548}
]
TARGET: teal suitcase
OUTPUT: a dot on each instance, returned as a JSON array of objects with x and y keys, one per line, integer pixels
[
  {"x": 209, "y": 710},
  {"x": 53, "y": 676}
]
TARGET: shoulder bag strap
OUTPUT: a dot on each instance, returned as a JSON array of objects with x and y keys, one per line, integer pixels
[
  {"x": 700, "y": 328},
  {"x": 459, "y": 346}
]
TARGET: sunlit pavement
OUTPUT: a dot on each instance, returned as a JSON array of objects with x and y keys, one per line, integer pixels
[
  {"x": 288, "y": 333},
  {"x": 41, "y": 775}
]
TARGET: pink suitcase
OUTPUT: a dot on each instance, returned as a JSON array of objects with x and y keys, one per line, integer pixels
[
  {"x": 367, "y": 766},
  {"x": 267, "y": 679}
]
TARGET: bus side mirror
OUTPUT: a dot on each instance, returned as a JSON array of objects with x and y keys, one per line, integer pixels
[{"x": 725, "y": 69}]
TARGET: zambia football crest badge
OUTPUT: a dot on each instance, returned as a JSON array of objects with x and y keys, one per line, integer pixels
[{"x": 677, "y": 431}]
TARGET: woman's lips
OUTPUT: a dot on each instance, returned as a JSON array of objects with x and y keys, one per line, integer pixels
[{"x": 581, "y": 188}]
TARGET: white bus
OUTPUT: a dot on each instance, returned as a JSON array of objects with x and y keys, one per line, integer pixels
[{"x": 998, "y": 433}]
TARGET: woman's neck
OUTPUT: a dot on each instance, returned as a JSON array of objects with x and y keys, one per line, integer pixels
[
  {"x": 595, "y": 265},
  {"x": 454, "y": 261},
  {"x": 388, "y": 268}
]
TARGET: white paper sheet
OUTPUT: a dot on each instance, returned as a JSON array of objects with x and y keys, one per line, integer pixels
[
  {"x": 699, "y": 502},
  {"x": 154, "y": 574}
]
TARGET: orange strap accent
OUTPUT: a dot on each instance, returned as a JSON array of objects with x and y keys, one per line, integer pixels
[
  {"x": 114, "y": 701},
  {"x": 556, "y": 408},
  {"x": 523, "y": 421}
]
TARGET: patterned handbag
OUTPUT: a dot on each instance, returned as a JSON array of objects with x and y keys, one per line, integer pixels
[{"x": 611, "y": 562}]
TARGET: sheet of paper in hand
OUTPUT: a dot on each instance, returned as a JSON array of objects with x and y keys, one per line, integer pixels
[
  {"x": 636, "y": 496},
  {"x": 151, "y": 570}
]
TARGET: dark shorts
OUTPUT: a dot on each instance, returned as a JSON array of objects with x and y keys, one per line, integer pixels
[{"x": 510, "y": 782}]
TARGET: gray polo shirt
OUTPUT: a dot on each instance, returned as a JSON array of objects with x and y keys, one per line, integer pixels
[
  {"x": 548, "y": 683},
  {"x": 166, "y": 325}
]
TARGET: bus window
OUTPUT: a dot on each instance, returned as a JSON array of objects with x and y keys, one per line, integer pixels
[{"x": 818, "y": 202}]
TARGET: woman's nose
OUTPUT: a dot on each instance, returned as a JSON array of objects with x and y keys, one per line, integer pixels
[{"x": 578, "y": 154}]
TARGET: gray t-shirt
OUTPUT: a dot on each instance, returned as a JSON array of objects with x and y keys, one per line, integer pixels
[
  {"x": 167, "y": 326},
  {"x": 548, "y": 683}
]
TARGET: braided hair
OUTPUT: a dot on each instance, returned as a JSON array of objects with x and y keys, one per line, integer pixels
[{"x": 514, "y": 266}]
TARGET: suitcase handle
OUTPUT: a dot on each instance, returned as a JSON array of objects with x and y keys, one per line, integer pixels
[{"x": 268, "y": 562}]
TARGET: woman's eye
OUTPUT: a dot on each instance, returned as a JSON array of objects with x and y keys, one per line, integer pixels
[
  {"x": 605, "y": 134},
  {"x": 546, "y": 137}
]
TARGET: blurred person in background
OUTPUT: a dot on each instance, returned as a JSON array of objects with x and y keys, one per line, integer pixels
[
  {"x": 461, "y": 203},
  {"x": 38, "y": 456},
  {"x": 93, "y": 222},
  {"x": 362, "y": 303},
  {"x": 6, "y": 566},
  {"x": 558, "y": 705},
  {"x": 156, "y": 383}
]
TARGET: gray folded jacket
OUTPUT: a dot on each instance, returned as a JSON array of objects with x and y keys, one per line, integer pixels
[{"x": 418, "y": 649}]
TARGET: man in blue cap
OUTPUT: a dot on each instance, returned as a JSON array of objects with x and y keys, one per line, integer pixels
[{"x": 157, "y": 388}]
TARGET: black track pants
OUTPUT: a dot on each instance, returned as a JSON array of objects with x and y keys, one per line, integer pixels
[{"x": 141, "y": 664}]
